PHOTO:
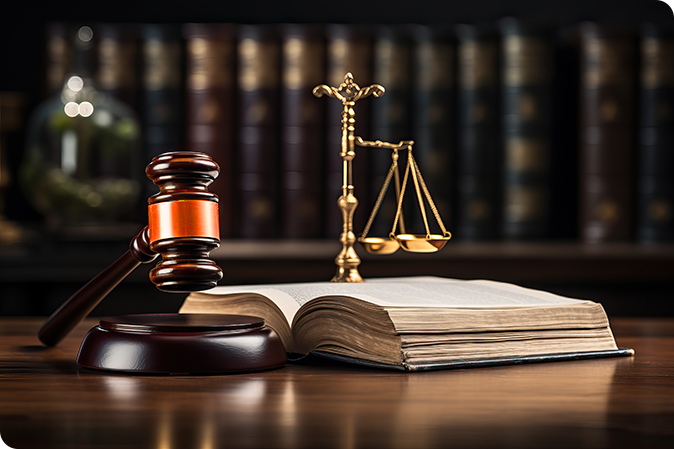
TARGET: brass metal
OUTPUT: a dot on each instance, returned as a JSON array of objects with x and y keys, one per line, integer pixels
[
  {"x": 379, "y": 245},
  {"x": 383, "y": 245},
  {"x": 347, "y": 260},
  {"x": 348, "y": 93},
  {"x": 428, "y": 243}
]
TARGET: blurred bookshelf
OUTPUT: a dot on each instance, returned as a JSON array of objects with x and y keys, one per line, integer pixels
[
  {"x": 628, "y": 278},
  {"x": 629, "y": 268}
]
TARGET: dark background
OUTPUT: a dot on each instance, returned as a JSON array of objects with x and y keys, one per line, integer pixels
[
  {"x": 22, "y": 30},
  {"x": 22, "y": 51}
]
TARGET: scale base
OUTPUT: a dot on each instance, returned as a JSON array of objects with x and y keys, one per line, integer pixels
[{"x": 174, "y": 343}]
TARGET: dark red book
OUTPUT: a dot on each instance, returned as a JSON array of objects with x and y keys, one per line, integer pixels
[
  {"x": 526, "y": 94},
  {"x": 258, "y": 81},
  {"x": 607, "y": 144},
  {"x": 210, "y": 100},
  {"x": 302, "y": 131}
]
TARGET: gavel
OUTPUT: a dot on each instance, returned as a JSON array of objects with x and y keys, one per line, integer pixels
[{"x": 183, "y": 226}]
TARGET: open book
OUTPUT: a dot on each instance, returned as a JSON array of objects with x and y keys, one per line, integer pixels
[{"x": 420, "y": 323}]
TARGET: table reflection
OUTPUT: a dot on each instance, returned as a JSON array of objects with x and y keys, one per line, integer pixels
[{"x": 365, "y": 408}]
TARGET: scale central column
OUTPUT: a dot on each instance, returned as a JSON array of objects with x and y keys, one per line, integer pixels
[
  {"x": 348, "y": 93},
  {"x": 347, "y": 260}
]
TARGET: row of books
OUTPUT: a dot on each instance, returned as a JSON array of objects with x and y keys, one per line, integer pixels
[{"x": 521, "y": 130}]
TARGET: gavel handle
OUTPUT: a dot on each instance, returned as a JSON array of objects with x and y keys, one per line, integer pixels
[{"x": 79, "y": 305}]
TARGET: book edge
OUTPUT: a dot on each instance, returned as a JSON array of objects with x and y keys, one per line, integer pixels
[{"x": 500, "y": 361}]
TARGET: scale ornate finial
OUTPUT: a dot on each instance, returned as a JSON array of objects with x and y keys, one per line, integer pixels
[{"x": 349, "y": 92}]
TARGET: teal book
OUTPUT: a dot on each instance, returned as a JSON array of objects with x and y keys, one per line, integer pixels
[
  {"x": 162, "y": 106},
  {"x": 526, "y": 95},
  {"x": 655, "y": 175},
  {"x": 478, "y": 161}
]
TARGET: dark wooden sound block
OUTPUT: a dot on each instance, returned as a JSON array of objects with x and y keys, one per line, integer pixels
[{"x": 171, "y": 343}]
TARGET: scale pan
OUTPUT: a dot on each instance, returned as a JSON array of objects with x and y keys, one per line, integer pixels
[
  {"x": 422, "y": 243},
  {"x": 379, "y": 245}
]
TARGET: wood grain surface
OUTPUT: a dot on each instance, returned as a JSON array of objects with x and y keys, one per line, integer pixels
[{"x": 46, "y": 401}]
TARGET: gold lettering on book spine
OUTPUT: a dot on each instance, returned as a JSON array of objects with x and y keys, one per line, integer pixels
[
  {"x": 302, "y": 61},
  {"x": 434, "y": 66},
  {"x": 526, "y": 61},
  {"x": 658, "y": 63},
  {"x": 257, "y": 64},
  {"x": 116, "y": 64},
  {"x": 607, "y": 62},
  {"x": 391, "y": 63},
  {"x": 477, "y": 64},
  {"x": 210, "y": 61},
  {"x": 161, "y": 61},
  {"x": 58, "y": 61},
  {"x": 525, "y": 203},
  {"x": 343, "y": 56},
  {"x": 526, "y": 155}
]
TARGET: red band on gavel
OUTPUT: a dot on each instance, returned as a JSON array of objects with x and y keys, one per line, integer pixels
[{"x": 186, "y": 218}]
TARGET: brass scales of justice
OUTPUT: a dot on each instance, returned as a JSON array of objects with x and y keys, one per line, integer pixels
[{"x": 347, "y": 260}]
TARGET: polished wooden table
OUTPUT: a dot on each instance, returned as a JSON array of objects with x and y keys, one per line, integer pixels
[{"x": 47, "y": 402}]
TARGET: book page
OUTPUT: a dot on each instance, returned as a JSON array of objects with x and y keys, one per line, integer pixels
[
  {"x": 479, "y": 293},
  {"x": 288, "y": 305},
  {"x": 450, "y": 293},
  {"x": 406, "y": 292}
]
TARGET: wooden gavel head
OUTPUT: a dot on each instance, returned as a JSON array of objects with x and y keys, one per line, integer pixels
[{"x": 183, "y": 223}]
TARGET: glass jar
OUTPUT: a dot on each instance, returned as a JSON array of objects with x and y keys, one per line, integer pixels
[{"x": 82, "y": 163}]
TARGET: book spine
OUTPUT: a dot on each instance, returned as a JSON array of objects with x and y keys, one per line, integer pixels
[
  {"x": 303, "y": 120},
  {"x": 607, "y": 133},
  {"x": 162, "y": 89},
  {"x": 259, "y": 76},
  {"x": 478, "y": 164},
  {"x": 526, "y": 63},
  {"x": 210, "y": 80},
  {"x": 58, "y": 56},
  {"x": 349, "y": 49},
  {"x": 655, "y": 181},
  {"x": 118, "y": 75},
  {"x": 433, "y": 113},
  {"x": 390, "y": 118},
  {"x": 117, "y": 71}
]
